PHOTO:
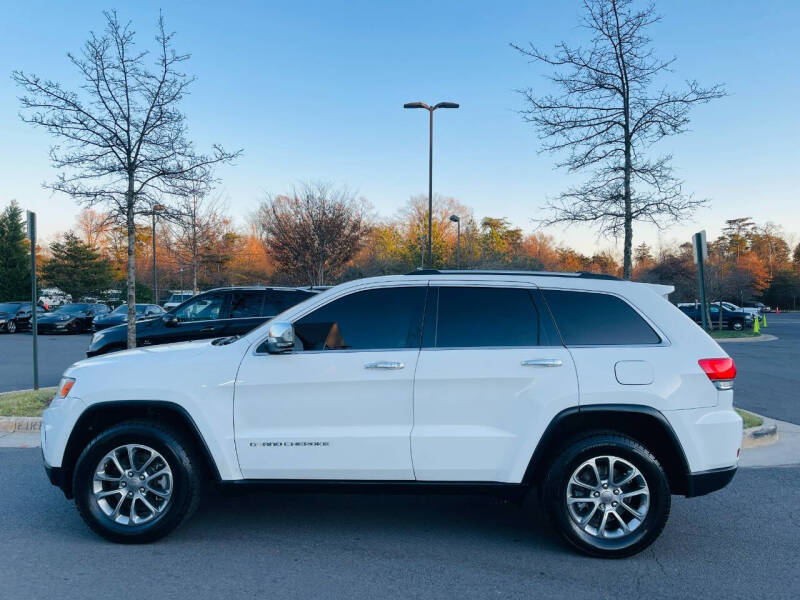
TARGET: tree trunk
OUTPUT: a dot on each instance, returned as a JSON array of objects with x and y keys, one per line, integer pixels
[
  {"x": 131, "y": 265},
  {"x": 194, "y": 245},
  {"x": 627, "y": 262}
]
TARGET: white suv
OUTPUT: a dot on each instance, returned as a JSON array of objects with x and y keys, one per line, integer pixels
[{"x": 596, "y": 392}]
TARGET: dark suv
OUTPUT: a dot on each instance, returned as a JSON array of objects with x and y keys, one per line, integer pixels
[
  {"x": 731, "y": 319},
  {"x": 216, "y": 313}
]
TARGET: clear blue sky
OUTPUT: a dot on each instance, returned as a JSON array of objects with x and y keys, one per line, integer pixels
[{"x": 315, "y": 90}]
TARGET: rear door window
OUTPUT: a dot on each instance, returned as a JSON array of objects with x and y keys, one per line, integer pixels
[
  {"x": 470, "y": 317},
  {"x": 594, "y": 319},
  {"x": 246, "y": 303},
  {"x": 278, "y": 301}
]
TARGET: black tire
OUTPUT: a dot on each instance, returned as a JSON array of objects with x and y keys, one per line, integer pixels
[
  {"x": 555, "y": 491},
  {"x": 186, "y": 485},
  {"x": 737, "y": 325}
]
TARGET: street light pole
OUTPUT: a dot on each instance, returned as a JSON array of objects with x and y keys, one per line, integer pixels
[
  {"x": 157, "y": 208},
  {"x": 457, "y": 220},
  {"x": 430, "y": 110}
]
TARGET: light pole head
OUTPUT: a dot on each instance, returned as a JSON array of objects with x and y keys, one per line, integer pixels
[
  {"x": 455, "y": 218},
  {"x": 446, "y": 105},
  {"x": 416, "y": 105}
]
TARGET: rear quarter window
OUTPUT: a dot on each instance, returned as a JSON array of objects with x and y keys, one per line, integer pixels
[{"x": 595, "y": 319}]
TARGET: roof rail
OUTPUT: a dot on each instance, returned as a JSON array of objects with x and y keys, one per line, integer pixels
[{"x": 579, "y": 274}]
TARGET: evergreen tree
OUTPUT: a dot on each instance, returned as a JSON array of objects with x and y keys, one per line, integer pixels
[
  {"x": 76, "y": 268},
  {"x": 15, "y": 268}
]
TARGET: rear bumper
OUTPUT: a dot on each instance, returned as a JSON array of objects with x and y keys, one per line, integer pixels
[{"x": 706, "y": 482}]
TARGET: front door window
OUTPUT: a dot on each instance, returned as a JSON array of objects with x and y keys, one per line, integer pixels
[{"x": 203, "y": 308}]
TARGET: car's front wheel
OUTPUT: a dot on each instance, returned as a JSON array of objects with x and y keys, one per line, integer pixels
[
  {"x": 737, "y": 325},
  {"x": 607, "y": 495},
  {"x": 11, "y": 326},
  {"x": 136, "y": 482}
]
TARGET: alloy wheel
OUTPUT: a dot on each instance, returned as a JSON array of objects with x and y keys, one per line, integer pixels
[
  {"x": 607, "y": 497},
  {"x": 11, "y": 326},
  {"x": 132, "y": 485}
]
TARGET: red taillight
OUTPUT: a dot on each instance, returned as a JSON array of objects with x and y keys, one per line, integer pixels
[{"x": 718, "y": 368}]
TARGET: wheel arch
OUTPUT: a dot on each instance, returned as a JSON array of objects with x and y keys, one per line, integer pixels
[
  {"x": 102, "y": 415},
  {"x": 644, "y": 424}
]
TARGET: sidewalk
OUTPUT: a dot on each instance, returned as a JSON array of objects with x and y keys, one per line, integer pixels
[
  {"x": 20, "y": 440},
  {"x": 786, "y": 451}
]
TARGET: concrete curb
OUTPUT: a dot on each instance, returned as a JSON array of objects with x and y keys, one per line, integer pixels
[
  {"x": 20, "y": 424},
  {"x": 764, "y": 337},
  {"x": 760, "y": 436}
]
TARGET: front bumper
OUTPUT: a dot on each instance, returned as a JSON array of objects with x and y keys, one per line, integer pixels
[
  {"x": 56, "y": 477},
  {"x": 50, "y": 328},
  {"x": 706, "y": 482}
]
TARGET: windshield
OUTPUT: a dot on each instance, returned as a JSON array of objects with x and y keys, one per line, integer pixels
[
  {"x": 123, "y": 309},
  {"x": 7, "y": 307},
  {"x": 72, "y": 309}
]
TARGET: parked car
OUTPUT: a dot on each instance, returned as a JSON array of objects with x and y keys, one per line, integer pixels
[
  {"x": 16, "y": 315},
  {"x": 736, "y": 308},
  {"x": 731, "y": 319},
  {"x": 70, "y": 318},
  {"x": 596, "y": 392},
  {"x": 119, "y": 315},
  {"x": 178, "y": 298},
  {"x": 216, "y": 313},
  {"x": 763, "y": 308}
]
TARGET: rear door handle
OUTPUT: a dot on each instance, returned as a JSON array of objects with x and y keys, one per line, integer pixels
[
  {"x": 542, "y": 362},
  {"x": 384, "y": 364}
]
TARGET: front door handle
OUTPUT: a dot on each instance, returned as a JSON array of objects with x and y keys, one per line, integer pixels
[
  {"x": 384, "y": 364},
  {"x": 209, "y": 328},
  {"x": 542, "y": 362}
]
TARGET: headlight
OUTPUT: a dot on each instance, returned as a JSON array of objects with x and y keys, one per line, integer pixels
[{"x": 64, "y": 386}]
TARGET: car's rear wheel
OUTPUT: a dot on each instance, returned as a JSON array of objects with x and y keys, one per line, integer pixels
[
  {"x": 607, "y": 495},
  {"x": 136, "y": 482}
]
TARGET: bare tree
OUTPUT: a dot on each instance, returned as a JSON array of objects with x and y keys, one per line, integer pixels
[
  {"x": 313, "y": 233},
  {"x": 94, "y": 226},
  {"x": 124, "y": 137},
  {"x": 606, "y": 114},
  {"x": 199, "y": 224}
]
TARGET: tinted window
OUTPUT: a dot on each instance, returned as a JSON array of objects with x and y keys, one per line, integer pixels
[
  {"x": 8, "y": 307},
  {"x": 202, "y": 308},
  {"x": 368, "y": 320},
  {"x": 485, "y": 316},
  {"x": 278, "y": 301},
  {"x": 588, "y": 319},
  {"x": 246, "y": 303}
]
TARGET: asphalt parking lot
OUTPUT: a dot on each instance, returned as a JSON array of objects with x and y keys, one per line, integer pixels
[
  {"x": 768, "y": 382},
  {"x": 56, "y": 353},
  {"x": 738, "y": 543}
]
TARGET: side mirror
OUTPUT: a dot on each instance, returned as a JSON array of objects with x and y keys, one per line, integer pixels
[
  {"x": 280, "y": 337},
  {"x": 170, "y": 320}
]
